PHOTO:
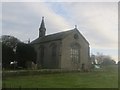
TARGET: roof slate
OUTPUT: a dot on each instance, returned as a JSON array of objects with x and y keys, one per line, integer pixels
[{"x": 53, "y": 37}]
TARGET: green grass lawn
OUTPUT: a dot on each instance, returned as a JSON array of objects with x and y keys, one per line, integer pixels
[{"x": 94, "y": 79}]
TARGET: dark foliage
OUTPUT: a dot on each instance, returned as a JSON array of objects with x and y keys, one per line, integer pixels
[
  {"x": 104, "y": 59},
  {"x": 108, "y": 62},
  {"x": 14, "y": 50},
  {"x": 10, "y": 41},
  {"x": 8, "y": 46},
  {"x": 7, "y": 56},
  {"x": 24, "y": 53}
]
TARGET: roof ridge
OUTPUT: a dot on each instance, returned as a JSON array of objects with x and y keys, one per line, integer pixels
[
  {"x": 50, "y": 37},
  {"x": 57, "y": 36},
  {"x": 60, "y": 32}
]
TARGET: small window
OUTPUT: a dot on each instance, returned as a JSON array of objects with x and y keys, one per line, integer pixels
[{"x": 76, "y": 36}]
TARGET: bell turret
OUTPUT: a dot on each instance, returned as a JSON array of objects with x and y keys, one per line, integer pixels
[{"x": 42, "y": 29}]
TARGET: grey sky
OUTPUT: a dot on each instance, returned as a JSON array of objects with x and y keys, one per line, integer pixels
[{"x": 98, "y": 22}]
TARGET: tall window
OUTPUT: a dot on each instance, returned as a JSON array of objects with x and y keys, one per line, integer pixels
[
  {"x": 41, "y": 54},
  {"x": 75, "y": 53},
  {"x": 53, "y": 58},
  {"x": 53, "y": 50}
]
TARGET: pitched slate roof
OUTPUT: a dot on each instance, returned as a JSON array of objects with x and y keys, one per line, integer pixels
[{"x": 56, "y": 36}]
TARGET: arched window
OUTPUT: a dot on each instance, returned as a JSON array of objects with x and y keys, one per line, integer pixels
[
  {"x": 54, "y": 51},
  {"x": 53, "y": 56},
  {"x": 75, "y": 53},
  {"x": 41, "y": 54},
  {"x": 53, "y": 47}
]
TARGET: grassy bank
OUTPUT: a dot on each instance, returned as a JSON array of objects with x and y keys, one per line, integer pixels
[{"x": 104, "y": 78}]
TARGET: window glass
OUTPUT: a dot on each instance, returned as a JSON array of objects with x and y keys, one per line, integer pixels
[{"x": 75, "y": 53}]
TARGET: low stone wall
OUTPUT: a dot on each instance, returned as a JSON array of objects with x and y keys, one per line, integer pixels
[{"x": 34, "y": 72}]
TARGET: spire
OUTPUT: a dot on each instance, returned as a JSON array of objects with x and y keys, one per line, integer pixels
[
  {"x": 42, "y": 23},
  {"x": 42, "y": 28}
]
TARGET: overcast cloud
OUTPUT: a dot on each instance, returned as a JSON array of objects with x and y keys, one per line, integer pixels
[{"x": 98, "y": 22}]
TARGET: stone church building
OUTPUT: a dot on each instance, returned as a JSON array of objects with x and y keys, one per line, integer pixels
[{"x": 63, "y": 50}]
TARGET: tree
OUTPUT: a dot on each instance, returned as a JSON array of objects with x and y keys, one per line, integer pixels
[
  {"x": 93, "y": 59},
  {"x": 99, "y": 57},
  {"x": 104, "y": 59},
  {"x": 108, "y": 62},
  {"x": 15, "y": 50},
  {"x": 8, "y": 46},
  {"x": 25, "y": 53},
  {"x": 7, "y": 56},
  {"x": 10, "y": 41}
]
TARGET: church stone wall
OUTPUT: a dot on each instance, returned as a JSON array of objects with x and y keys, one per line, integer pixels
[
  {"x": 66, "y": 62},
  {"x": 51, "y": 61},
  {"x": 62, "y": 59},
  {"x": 48, "y": 60}
]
